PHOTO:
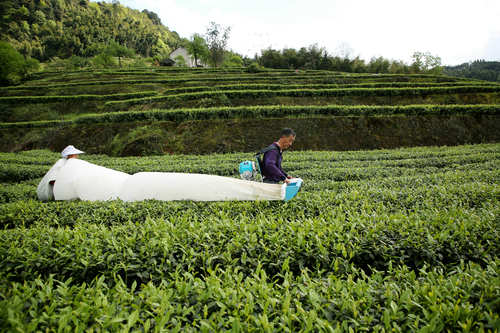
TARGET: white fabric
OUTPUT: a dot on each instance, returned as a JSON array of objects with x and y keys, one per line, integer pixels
[
  {"x": 196, "y": 187},
  {"x": 87, "y": 181},
  {"x": 80, "y": 179},
  {"x": 45, "y": 191}
]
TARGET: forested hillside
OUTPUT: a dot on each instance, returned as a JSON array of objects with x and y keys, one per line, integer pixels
[
  {"x": 60, "y": 28},
  {"x": 479, "y": 69}
]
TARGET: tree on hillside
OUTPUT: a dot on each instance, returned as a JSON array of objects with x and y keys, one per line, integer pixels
[
  {"x": 426, "y": 63},
  {"x": 152, "y": 16},
  {"x": 217, "y": 38},
  {"x": 198, "y": 48},
  {"x": 306, "y": 58},
  {"x": 120, "y": 51},
  {"x": 13, "y": 67},
  {"x": 180, "y": 61},
  {"x": 379, "y": 65},
  {"x": 270, "y": 58},
  {"x": 343, "y": 61},
  {"x": 76, "y": 62},
  {"x": 399, "y": 67},
  {"x": 478, "y": 69},
  {"x": 233, "y": 61},
  {"x": 312, "y": 57},
  {"x": 104, "y": 59}
]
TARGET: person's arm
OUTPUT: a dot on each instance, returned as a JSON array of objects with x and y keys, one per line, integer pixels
[{"x": 270, "y": 164}]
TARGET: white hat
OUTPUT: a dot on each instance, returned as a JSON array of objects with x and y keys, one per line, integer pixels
[{"x": 70, "y": 150}]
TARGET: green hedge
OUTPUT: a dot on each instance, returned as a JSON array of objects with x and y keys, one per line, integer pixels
[
  {"x": 256, "y": 77},
  {"x": 15, "y": 192},
  {"x": 13, "y": 172},
  {"x": 103, "y": 240},
  {"x": 34, "y": 124},
  {"x": 318, "y": 86},
  {"x": 161, "y": 81},
  {"x": 183, "y": 115},
  {"x": 74, "y": 98},
  {"x": 441, "y": 221},
  {"x": 465, "y": 299},
  {"x": 270, "y": 92},
  {"x": 358, "y": 92}
]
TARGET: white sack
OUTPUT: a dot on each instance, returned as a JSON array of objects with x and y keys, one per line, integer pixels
[
  {"x": 86, "y": 181},
  {"x": 81, "y": 179},
  {"x": 45, "y": 191},
  {"x": 196, "y": 187}
]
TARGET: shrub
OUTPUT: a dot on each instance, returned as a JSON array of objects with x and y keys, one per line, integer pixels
[
  {"x": 76, "y": 62},
  {"x": 232, "y": 61},
  {"x": 253, "y": 68},
  {"x": 139, "y": 62},
  {"x": 56, "y": 64},
  {"x": 104, "y": 60},
  {"x": 13, "y": 67},
  {"x": 180, "y": 61}
]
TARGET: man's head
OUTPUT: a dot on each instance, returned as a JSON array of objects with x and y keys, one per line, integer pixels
[
  {"x": 71, "y": 152},
  {"x": 287, "y": 138}
]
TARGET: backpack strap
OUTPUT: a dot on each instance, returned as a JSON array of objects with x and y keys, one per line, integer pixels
[
  {"x": 262, "y": 152},
  {"x": 265, "y": 150}
]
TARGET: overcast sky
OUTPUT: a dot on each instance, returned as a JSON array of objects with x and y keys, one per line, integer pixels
[{"x": 457, "y": 31}]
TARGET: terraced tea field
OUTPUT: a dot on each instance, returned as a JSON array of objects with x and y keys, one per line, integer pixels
[
  {"x": 383, "y": 240},
  {"x": 156, "y": 111}
]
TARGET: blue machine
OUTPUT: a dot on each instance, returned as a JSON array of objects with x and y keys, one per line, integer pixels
[
  {"x": 293, "y": 188},
  {"x": 248, "y": 171}
]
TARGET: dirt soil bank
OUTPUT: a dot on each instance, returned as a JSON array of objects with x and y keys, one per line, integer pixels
[{"x": 249, "y": 135}]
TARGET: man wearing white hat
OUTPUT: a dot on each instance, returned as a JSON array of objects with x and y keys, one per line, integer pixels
[
  {"x": 71, "y": 152},
  {"x": 45, "y": 190}
]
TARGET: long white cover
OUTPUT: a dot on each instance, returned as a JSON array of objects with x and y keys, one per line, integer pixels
[
  {"x": 80, "y": 179},
  {"x": 45, "y": 190}
]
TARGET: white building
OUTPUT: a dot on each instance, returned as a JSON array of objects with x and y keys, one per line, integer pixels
[{"x": 181, "y": 51}]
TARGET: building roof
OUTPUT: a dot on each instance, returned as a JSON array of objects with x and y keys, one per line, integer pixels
[
  {"x": 167, "y": 61},
  {"x": 179, "y": 48}
]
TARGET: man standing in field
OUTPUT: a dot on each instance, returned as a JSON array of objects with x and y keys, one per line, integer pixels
[{"x": 273, "y": 156}]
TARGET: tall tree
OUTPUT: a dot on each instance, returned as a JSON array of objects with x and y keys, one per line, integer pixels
[
  {"x": 13, "y": 66},
  {"x": 232, "y": 61},
  {"x": 344, "y": 59},
  {"x": 217, "y": 38},
  {"x": 180, "y": 61},
  {"x": 426, "y": 62},
  {"x": 104, "y": 59},
  {"x": 120, "y": 51},
  {"x": 198, "y": 48}
]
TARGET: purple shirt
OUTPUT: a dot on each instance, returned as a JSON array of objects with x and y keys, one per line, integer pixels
[{"x": 272, "y": 164}]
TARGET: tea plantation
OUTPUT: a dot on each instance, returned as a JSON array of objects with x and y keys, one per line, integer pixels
[
  {"x": 386, "y": 240},
  {"x": 377, "y": 239},
  {"x": 125, "y": 112}
]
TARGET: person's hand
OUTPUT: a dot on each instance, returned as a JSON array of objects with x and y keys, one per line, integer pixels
[
  {"x": 289, "y": 177},
  {"x": 287, "y": 181}
]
